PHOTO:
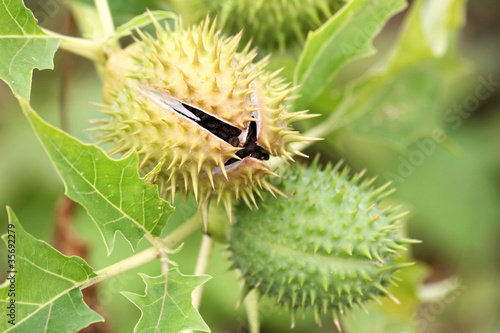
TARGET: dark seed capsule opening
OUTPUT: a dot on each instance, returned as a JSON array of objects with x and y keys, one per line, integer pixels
[{"x": 228, "y": 133}]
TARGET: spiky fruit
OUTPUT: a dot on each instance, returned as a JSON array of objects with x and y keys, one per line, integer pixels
[
  {"x": 193, "y": 104},
  {"x": 272, "y": 24},
  {"x": 329, "y": 246}
]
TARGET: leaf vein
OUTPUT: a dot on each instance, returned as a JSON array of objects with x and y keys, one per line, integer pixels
[
  {"x": 49, "y": 302},
  {"x": 15, "y": 57},
  {"x": 70, "y": 164},
  {"x": 48, "y": 319},
  {"x": 46, "y": 270},
  {"x": 13, "y": 18}
]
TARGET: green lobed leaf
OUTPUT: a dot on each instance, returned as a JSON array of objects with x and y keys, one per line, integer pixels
[
  {"x": 114, "y": 195},
  {"x": 23, "y": 47},
  {"x": 167, "y": 306},
  {"x": 344, "y": 37},
  {"x": 46, "y": 287},
  {"x": 402, "y": 98}
]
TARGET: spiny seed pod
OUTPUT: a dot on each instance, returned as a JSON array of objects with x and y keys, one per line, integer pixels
[
  {"x": 330, "y": 245},
  {"x": 193, "y": 104},
  {"x": 272, "y": 24}
]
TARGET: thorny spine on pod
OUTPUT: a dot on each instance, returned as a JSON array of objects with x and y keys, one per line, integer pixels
[
  {"x": 330, "y": 245},
  {"x": 272, "y": 25}
]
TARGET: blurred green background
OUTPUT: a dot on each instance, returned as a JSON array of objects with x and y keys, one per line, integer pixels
[{"x": 452, "y": 189}]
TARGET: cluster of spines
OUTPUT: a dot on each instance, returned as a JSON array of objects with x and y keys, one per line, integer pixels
[
  {"x": 201, "y": 68},
  {"x": 228, "y": 72},
  {"x": 303, "y": 254},
  {"x": 291, "y": 19},
  {"x": 276, "y": 136}
]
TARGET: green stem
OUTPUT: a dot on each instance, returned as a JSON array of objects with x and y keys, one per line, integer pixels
[
  {"x": 105, "y": 17},
  {"x": 202, "y": 265},
  {"x": 79, "y": 46},
  {"x": 162, "y": 253},
  {"x": 141, "y": 258},
  {"x": 123, "y": 266},
  {"x": 252, "y": 309}
]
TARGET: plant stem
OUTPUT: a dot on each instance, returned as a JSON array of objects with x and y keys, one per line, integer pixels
[
  {"x": 164, "y": 262},
  {"x": 141, "y": 258},
  {"x": 66, "y": 75},
  {"x": 79, "y": 46},
  {"x": 202, "y": 265},
  {"x": 252, "y": 309},
  {"x": 123, "y": 266},
  {"x": 182, "y": 232},
  {"x": 105, "y": 17}
]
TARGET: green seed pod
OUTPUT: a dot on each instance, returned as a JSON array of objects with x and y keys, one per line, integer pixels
[
  {"x": 330, "y": 245},
  {"x": 193, "y": 104},
  {"x": 275, "y": 24}
]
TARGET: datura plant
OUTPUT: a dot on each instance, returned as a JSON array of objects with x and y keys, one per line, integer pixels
[{"x": 193, "y": 113}]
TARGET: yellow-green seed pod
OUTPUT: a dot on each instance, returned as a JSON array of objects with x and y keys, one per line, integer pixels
[
  {"x": 189, "y": 101},
  {"x": 329, "y": 246},
  {"x": 272, "y": 24}
]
